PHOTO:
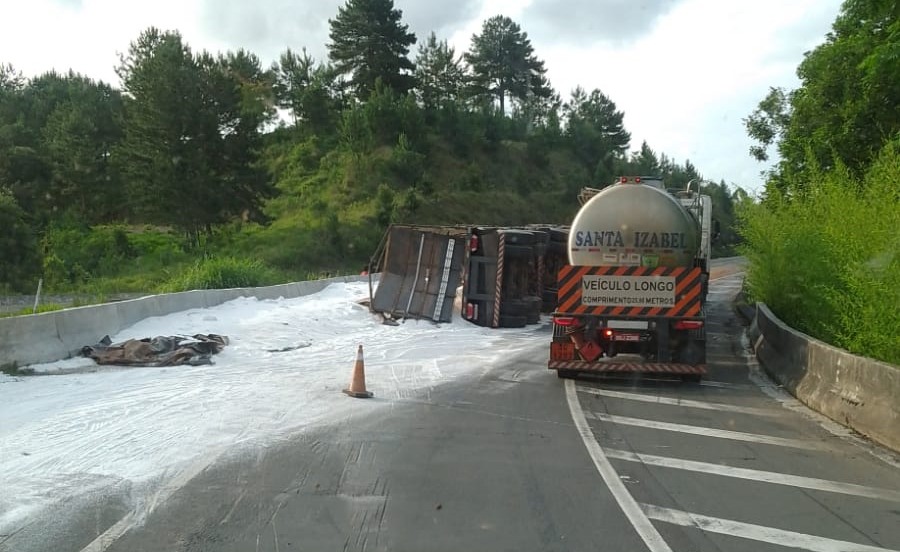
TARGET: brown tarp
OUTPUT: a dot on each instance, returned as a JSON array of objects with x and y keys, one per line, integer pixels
[{"x": 157, "y": 351}]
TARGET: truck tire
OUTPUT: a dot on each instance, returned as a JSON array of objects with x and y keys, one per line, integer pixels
[
  {"x": 566, "y": 374},
  {"x": 557, "y": 248},
  {"x": 518, "y": 237},
  {"x": 559, "y": 236},
  {"x": 519, "y": 251},
  {"x": 514, "y": 307},
  {"x": 548, "y": 300},
  {"x": 510, "y": 321},
  {"x": 533, "y": 314}
]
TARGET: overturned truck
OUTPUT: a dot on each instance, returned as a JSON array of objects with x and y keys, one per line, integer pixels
[{"x": 500, "y": 277}]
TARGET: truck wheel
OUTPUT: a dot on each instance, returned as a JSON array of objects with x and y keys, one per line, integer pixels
[
  {"x": 533, "y": 315},
  {"x": 567, "y": 374},
  {"x": 559, "y": 236},
  {"x": 557, "y": 248},
  {"x": 518, "y": 237},
  {"x": 510, "y": 321},
  {"x": 514, "y": 307},
  {"x": 519, "y": 251}
]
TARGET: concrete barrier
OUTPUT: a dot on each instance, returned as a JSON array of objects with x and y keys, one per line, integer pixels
[
  {"x": 858, "y": 392},
  {"x": 52, "y": 336}
]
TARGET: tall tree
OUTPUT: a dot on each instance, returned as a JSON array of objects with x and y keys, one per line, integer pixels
[
  {"x": 503, "y": 63},
  {"x": 309, "y": 90},
  {"x": 369, "y": 43},
  {"x": 11, "y": 79},
  {"x": 768, "y": 122},
  {"x": 192, "y": 133},
  {"x": 56, "y": 133},
  {"x": 440, "y": 74},
  {"x": 18, "y": 247},
  {"x": 78, "y": 139},
  {"x": 645, "y": 161},
  {"x": 845, "y": 108},
  {"x": 596, "y": 132}
]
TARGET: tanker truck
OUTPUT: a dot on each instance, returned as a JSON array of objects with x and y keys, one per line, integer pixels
[{"x": 632, "y": 298}]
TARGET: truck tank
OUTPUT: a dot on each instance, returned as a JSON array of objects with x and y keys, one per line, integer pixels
[{"x": 632, "y": 224}]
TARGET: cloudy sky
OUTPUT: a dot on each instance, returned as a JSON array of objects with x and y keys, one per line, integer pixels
[{"x": 685, "y": 72}]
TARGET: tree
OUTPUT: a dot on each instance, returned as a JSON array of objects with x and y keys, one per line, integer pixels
[
  {"x": 596, "y": 132},
  {"x": 368, "y": 42},
  {"x": 309, "y": 90},
  {"x": 503, "y": 63},
  {"x": 56, "y": 133},
  {"x": 439, "y": 73},
  {"x": 11, "y": 80},
  {"x": 78, "y": 138},
  {"x": 768, "y": 122},
  {"x": 845, "y": 108},
  {"x": 18, "y": 247},
  {"x": 645, "y": 162},
  {"x": 192, "y": 141}
]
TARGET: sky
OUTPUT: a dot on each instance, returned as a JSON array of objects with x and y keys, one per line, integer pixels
[{"x": 684, "y": 72}]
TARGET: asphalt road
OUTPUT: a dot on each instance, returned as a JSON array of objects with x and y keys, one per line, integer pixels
[{"x": 516, "y": 459}]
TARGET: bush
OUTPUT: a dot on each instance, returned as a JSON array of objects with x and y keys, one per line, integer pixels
[
  {"x": 221, "y": 273},
  {"x": 74, "y": 254},
  {"x": 828, "y": 262},
  {"x": 44, "y": 307}
]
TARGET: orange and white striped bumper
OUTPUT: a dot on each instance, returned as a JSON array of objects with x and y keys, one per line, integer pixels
[{"x": 642, "y": 367}]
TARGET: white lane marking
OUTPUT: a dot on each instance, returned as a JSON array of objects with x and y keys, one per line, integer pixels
[
  {"x": 789, "y": 402},
  {"x": 720, "y": 384},
  {"x": 655, "y": 399},
  {"x": 140, "y": 514},
  {"x": 761, "y": 533},
  {"x": 704, "y": 431},
  {"x": 629, "y": 506},
  {"x": 757, "y": 475}
]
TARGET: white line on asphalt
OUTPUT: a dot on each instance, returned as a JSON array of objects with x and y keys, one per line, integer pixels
[
  {"x": 757, "y": 475},
  {"x": 721, "y": 384},
  {"x": 629, "y": 506},
  {"x": 704, "y": 431},
  {"x": 655, "y": 399},
  {"x": 138, "y": 515},
  {"x": 761, "y": 533},
  {"x": 789, "y": 402}
]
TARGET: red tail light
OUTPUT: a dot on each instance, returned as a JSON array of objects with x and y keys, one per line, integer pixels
[
  {"x": 688, "y": 324},
  {"x": 565, "y": 321},
  {"x": 637, "y": 179},
  {"x": 473, "y": 243},
  {"x": 608, "y": 333},
  {"x": 471, "y": 311}
]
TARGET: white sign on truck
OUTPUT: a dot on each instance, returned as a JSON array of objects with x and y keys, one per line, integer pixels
[{"x": 628, "y": 291}]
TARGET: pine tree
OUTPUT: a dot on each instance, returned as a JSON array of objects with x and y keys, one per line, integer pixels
[
  {"x": 369, "y": 43},
  {"x": 503, "y": 63}
]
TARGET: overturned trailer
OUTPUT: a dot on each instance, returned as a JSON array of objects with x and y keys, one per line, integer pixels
[{"x": 497, "y": 275}]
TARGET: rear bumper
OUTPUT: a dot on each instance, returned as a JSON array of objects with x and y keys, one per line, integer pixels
[{"x": 634, "y": 367}]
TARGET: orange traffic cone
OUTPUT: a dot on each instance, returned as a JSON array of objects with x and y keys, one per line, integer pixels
[{"x": 358, "y": 383}]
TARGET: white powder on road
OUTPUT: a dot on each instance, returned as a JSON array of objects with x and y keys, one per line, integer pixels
[{"x": 64, "y": 435}]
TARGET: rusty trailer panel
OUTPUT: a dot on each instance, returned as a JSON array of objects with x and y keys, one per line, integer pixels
[{"x": 421, "y": 268}]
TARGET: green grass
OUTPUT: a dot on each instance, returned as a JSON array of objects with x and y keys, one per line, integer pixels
[
  {"x": 46, "y": 307},
  {"x": 222, "y": 273},
  {"x": 828, "y": 263}
]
